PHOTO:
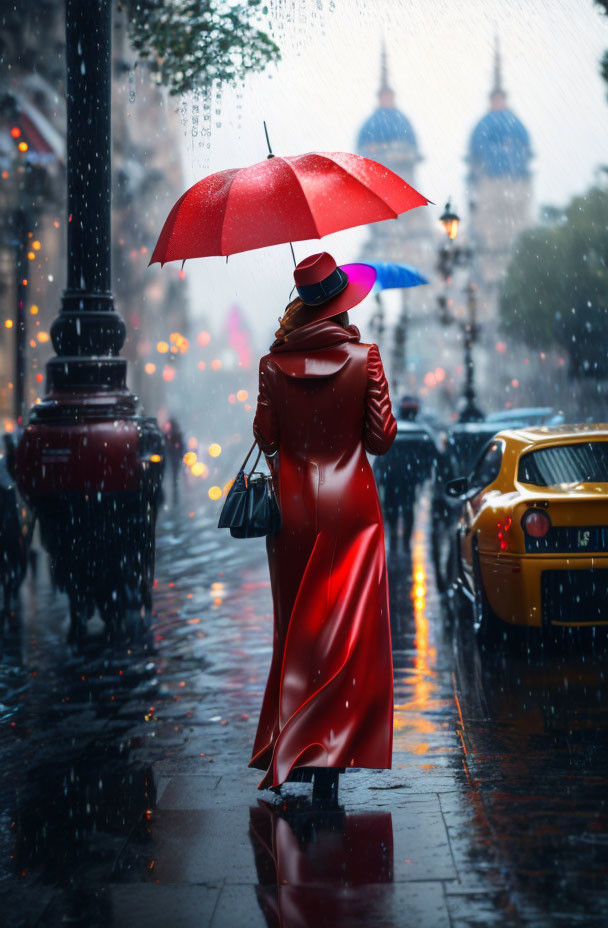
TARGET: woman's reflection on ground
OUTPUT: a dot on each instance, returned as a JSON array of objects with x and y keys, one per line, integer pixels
[{"x": 318, "y": 867}]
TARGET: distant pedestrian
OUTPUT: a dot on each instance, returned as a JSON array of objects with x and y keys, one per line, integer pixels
[
  {"x": 323, "y": 403},
  {"x": 175, "y": 447},
  {"x": 16, "y": 528},
  {"x": 402, "y": 471}
]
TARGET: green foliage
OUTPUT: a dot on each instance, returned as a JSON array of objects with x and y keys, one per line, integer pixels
[
  {"x": 604, "y": 66},
  {"x": 556, "y": 290},
  {"x": 189, "y": 44}
]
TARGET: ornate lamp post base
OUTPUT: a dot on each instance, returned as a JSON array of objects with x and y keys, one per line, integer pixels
[{"x": 92, "y": 470}]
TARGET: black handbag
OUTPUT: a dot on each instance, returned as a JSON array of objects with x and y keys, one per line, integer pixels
[{"x": 251, "y": 508}]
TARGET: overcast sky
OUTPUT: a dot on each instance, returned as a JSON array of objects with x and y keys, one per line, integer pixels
[{"x": 440, "y": 66}]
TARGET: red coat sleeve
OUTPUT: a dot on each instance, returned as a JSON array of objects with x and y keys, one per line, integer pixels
[
  {"x": 379, "y": 426},
  {"x": 265, "y": 423}
]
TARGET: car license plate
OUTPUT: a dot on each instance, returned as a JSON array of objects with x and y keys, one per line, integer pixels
[{"x": 591, "y": 539}]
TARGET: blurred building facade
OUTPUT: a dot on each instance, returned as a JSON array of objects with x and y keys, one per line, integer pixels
[
  {"x": 499, "y": 193},
  {"x": 388, "y": 136},
  {"x": 147, "y": 179},
  {"x": 499, "y": 184}
]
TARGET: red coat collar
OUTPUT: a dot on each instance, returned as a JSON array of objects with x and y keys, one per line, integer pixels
[{"x": 316, "y": 335}]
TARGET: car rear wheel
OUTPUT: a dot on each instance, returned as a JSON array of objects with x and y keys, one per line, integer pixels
[
  {"x": 490, "y": 630},
  {"x": 442, "y": 547}
]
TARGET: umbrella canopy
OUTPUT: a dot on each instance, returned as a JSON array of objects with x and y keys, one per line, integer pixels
[
  {"x": 281, "y": 200},
  {"x": 396, "y": 276}
]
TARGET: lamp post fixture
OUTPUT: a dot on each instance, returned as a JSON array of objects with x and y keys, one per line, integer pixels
[{"x": 451, "y": 256}]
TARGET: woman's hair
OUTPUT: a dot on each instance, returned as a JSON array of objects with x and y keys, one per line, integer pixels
[{"x": 297, "y": 314}]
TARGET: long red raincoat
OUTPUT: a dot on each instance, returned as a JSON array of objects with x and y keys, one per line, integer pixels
[{"x": 323, "y": 402}]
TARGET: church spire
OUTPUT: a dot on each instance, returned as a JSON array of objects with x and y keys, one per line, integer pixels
[
  {"x": 497, "y": 94},
  {"x": 386, "y": 95}
]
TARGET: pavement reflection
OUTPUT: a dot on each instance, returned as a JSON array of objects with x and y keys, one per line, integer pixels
[
  {"x": 320, "y": 867},
  {"x": 535, "y": 730},
  {"x": 126, "y": 799}
]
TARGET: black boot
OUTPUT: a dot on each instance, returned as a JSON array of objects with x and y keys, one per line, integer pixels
[
  {"x": 325, "y": 785},
  {"x": 300, "y": 775}
]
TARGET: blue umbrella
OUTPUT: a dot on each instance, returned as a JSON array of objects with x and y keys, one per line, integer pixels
[{"x": 392, "y": 276}]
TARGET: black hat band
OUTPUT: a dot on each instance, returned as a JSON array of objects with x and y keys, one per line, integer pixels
[{"x": 324, "y": 290}]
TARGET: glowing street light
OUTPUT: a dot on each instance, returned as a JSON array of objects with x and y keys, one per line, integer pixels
[{"x": 449, "y": 220}]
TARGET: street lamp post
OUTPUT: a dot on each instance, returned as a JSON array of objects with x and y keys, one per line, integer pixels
[
  {"x": 90, "y": 466},
  {"x": 20, "y": 224},
  {"x": 377, "y": 323},
  {"x": 452, "y": 256},
  {"x": 398, "y": 359}
]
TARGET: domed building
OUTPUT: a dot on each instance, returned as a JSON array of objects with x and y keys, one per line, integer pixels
[
  {"x": 388, "y": 136},
  {"x": 500, "y": 191}
]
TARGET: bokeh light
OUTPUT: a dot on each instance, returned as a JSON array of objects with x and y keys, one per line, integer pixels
[
  {"x": 178, "y": 343},
  {"x": 215, "y": 450},
  {"x": 215, "y": 492}
]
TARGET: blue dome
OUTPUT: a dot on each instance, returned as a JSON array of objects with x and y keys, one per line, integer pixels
[
  {"x": 499, "y": 146},
  {"x": 385, "y": 126}
]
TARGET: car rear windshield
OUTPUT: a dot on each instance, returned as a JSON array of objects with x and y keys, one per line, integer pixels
[{"x": 584, "y": 462}]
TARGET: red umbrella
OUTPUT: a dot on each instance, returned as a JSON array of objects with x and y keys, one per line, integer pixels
[{"x": 281, "y": 200}]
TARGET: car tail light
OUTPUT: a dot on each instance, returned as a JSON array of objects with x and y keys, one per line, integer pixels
[
  {"x": 502, "y": 530},
  {"x": 536, "y": 523}
]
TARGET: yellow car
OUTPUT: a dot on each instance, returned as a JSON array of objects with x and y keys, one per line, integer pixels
[{"x": 532, "y": 541}]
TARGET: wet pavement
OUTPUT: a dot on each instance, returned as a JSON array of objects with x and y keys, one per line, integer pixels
[{"x": 126, "y": 799}]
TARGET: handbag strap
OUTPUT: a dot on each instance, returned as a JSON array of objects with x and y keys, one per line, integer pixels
[
  {"x": 255, "y": 463},
  {"x": 249, "y": 453}
]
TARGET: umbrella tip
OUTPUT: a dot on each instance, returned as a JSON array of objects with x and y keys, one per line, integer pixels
[{"x": 270, "y": 152}]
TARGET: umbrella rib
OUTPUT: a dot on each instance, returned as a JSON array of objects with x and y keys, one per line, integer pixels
[
  {"x": 232, "y": 179},
  {"x": 295, "y": 174},
  {"x": 368, "y": 189}
]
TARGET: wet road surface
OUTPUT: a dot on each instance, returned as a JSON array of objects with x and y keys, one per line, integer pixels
[{"x": 126, "y": 798}]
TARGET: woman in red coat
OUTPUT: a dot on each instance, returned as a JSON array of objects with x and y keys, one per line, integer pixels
[{"x": 323, "y": 403}]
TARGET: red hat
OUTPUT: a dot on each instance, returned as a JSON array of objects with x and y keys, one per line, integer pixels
[{"x": 328, "y": 289}]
